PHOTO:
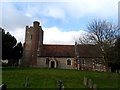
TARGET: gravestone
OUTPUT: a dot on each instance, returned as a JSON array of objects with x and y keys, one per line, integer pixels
[
  {"x": 61, "y": 86},
  {"x": 85, "y": 81},
  {"x": 90, "y": 83},
  {"x": 27, "y": 84},
  {"x": 94, "y": 86}
]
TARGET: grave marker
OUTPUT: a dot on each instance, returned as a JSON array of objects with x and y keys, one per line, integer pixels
[
  {"x": 85, "y": 81},
  {"x": 94, "y": 87},
  {"x": 90, "y": 83}
]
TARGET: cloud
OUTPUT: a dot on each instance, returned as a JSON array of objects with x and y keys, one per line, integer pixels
[
  {"x": 54, "y": 12},
  {"x": 14, "y": 18},
  {"x": 75, "y": 8},
  {"x": 44, "y": 10},
  {"x": 14, "y": 21},
  {"x": 99, "y": 8},
  {"x": 65, "y": 10},
  {"x": 19, "y": 34},
  {"x": 54, "y": 35}
]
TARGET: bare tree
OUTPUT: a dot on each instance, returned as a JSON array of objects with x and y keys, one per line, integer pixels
[
  {"x": 84, "y": 39},
  {"x": 103, "y": 34}
]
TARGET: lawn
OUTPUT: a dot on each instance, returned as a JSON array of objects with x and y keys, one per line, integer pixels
[{"x": 48, "y": 78}]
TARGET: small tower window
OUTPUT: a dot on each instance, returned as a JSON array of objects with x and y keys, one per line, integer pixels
[
  {"x": 69, "y": 62},
  {"x": 31, "y": 37}
]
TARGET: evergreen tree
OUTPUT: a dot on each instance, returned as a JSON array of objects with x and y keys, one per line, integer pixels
[
  {"x": 10, "y": 50},
  {"x": 8, "y": 42},
  {"x": 17, "y": 53}
]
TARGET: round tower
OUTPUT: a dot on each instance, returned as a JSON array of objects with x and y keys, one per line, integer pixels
[{"x": 35, "y": 42}]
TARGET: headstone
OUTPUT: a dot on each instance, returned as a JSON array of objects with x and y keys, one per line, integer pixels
[
  {"x": 90, "y": 83},
  {"x": 61, "y": 85},
  {"x": 94, "y": 87},
  {"x": 26, "y": 82},
  {"x": 85, "y": 81}
]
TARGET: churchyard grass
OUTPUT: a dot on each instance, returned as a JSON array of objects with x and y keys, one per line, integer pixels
[{"x": 48, "y": 78}]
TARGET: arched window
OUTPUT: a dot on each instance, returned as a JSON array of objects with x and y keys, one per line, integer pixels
[{"x": 69, "y": 62}]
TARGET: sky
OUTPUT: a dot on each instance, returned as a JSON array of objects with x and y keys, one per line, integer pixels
[{"x": 63, "y": 21}]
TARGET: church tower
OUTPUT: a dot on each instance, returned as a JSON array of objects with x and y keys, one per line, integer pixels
[{"x": 33, "y": 44}]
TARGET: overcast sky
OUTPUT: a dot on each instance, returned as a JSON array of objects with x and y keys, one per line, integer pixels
[{"x": 62, "y": 21}]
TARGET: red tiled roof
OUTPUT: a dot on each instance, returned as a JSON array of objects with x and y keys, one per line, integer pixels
[
  {"x": 58, "y": 50},
  {"x": 88, "y": 50},
  {"x": 69, "y": 50}
]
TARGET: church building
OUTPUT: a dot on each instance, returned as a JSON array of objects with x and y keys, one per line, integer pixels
[{"x": 78, "y": 56}]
